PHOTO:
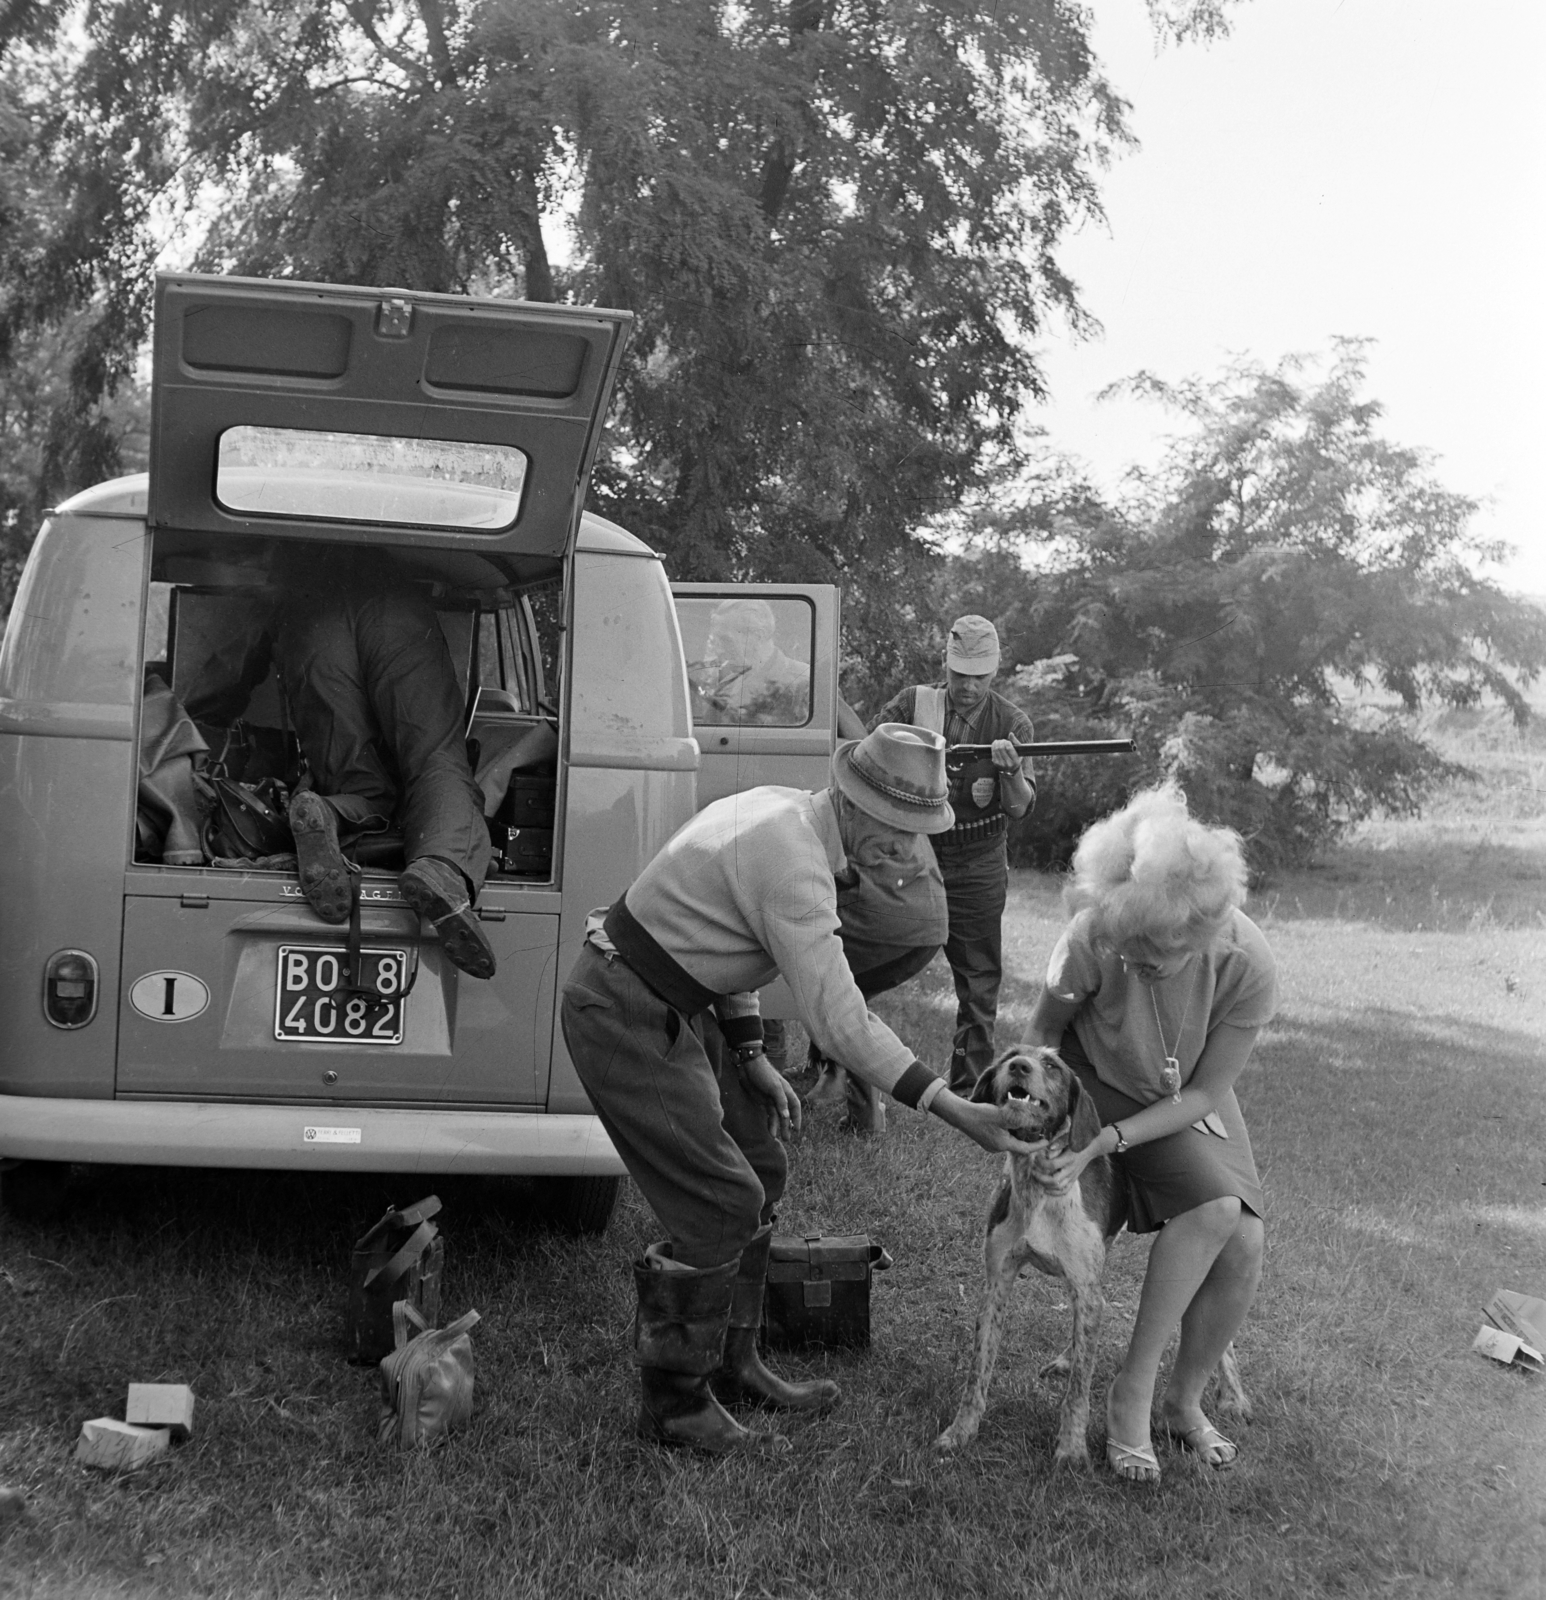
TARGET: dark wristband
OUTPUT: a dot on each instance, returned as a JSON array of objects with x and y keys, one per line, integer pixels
[
  {"x": 910, "y": 1086},
  {"x": 741, "y": 1031}
]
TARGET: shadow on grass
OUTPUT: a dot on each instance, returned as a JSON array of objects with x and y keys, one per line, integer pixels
[{"x": 1456, "y": 884}]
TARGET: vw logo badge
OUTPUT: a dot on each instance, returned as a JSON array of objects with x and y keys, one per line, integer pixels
[{"x": 169, "y": 996}]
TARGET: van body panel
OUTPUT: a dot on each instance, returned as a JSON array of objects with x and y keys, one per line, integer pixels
[
  {"x": 67, "y": 780},
  {"x": 631, "y": 763},
  {"x": 484, "y": 1043},
  {"x": 294, "y": 364},
  {"x": 614, "y": 816},
  {"x": 184, "y": 1133},
  {"x": 127, "y": 496},
  {"x": 794, "y": 746}
]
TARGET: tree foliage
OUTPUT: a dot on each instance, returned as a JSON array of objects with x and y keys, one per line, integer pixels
[
  {"x": 835, "y": 221},
  {"x": 1283, "y": 557}
]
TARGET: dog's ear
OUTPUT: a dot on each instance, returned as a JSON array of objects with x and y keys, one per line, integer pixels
[
  {"x": 1083, "y": 1118},
  {"x": 982, "y": 1090}
]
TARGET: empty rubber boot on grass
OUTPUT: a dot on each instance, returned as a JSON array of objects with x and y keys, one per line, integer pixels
[
  {"x": 742, "y": 1378},
  {"x": 320, "y": 864},
  {"x": 438, "y": 892},
  {"x": 679, "y": 1339}
]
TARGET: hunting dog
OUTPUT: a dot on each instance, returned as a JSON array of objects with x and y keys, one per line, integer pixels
[{"x": 1065, "y": 1236}]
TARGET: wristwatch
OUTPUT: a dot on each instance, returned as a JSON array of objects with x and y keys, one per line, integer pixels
[
  {"x": 1121, "y": 1138},
  {"x": 748, "y": 1052}
]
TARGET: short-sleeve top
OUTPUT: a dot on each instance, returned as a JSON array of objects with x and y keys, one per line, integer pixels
[{"x": 1234, "y": 982}]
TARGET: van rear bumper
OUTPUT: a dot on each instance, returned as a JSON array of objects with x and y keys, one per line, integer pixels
[{"x": 186, "y": 1133}]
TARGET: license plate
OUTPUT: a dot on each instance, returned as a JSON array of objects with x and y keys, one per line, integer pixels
[{"x": 309, "y": 1005}]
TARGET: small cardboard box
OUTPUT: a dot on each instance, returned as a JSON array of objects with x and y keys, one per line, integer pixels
[
  {"x": 116, "y": 1446},
  {"x": 1520, "y": 1315},
  {"x": 162, "y": 1405},
  {"x": 1508, "y": 1348}
]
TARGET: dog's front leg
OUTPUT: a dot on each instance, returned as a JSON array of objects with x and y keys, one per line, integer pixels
[
  {"x": 1004, "y": 1255},
  {"x": 1233, "y": 1400},
  {"x": 1082, "y": 1266}
]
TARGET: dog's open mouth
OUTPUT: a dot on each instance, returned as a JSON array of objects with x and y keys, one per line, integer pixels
[{"x": 1024, "y": 1097}]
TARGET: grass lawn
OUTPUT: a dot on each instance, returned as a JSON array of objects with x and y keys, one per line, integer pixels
[{"x": 1397, "y": 1107}]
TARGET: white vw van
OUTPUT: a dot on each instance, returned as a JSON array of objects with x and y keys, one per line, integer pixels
[{"x": 186, "y": 1014}]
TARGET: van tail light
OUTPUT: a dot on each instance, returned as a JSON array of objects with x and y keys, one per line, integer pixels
[{"x": 70, "y": 989}]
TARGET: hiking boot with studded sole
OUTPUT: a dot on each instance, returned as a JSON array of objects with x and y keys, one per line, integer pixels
[
  {"x": 320, "y": 864},
  {"x": 435, "y": 890}
]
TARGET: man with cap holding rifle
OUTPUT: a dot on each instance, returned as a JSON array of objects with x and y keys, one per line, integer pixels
[
  {"x": 986, "y": 794},
  {"x": 743, "y": 892}
]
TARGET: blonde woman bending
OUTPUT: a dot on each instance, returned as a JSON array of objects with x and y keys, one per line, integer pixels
[{"x": 1155, "y": 994}]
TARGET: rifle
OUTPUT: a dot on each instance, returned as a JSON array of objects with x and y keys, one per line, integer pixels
[{"x": 958, "y": 755}]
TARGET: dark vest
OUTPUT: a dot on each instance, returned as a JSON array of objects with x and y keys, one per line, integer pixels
[{"x": 974, "y": 788}]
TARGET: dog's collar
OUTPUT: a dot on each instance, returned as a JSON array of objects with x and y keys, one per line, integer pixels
[{"x": 1057, "y": 1142}]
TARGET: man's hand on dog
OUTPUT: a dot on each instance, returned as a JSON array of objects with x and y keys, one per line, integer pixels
[
  {"x": 983, "y": 1124},
  {"x": 774, "y": 1092}
]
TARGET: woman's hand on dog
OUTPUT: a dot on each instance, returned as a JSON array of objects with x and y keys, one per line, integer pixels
[
  {"x": 1058, "y": 1174},
  {"x": 981, "y": 1123}
]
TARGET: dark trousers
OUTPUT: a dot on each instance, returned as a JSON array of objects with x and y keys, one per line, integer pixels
[
  {"x": 379, "y": 714},
  {"x": 976, "y": 887},
  {"x": 697, "y": 1144}
]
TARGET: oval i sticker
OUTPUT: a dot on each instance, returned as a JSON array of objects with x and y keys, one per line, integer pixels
[{"x": 169, "y": 996}]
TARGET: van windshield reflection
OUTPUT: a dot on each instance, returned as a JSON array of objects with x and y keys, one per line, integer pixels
[{"x": 361, "y": 477}]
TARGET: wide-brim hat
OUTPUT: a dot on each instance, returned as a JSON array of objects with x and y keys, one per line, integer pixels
[{"x": 897, "y": 775}]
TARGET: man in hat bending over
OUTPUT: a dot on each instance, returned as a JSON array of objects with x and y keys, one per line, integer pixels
[
  {"x": 743, "y": 892},
  {"x": 986, "y": 795}
]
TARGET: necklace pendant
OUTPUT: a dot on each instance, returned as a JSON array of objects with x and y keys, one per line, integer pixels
[{"x": 1170, "y": 1078}]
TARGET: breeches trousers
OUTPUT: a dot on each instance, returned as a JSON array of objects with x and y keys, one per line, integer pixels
[{"x": 697, "y": 1144}]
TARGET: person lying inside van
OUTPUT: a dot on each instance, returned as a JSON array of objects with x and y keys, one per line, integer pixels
[
  {"x": 376, "y": 706},
  {"x": 374, "y": 700},
  {"x": 744, "y": 891}
]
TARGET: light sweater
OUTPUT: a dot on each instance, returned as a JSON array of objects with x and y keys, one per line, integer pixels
[{"x": 745, "y": 892}]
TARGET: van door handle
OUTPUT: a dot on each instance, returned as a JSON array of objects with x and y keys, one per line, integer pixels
[{"x": 195, "y": 902}]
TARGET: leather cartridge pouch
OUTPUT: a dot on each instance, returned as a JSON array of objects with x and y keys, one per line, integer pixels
[
  {"x": 399, "y": 1259},
  {"x": 819, "y": 1290}
]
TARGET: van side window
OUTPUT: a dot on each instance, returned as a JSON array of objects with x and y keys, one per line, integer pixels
[{"x": 748, "y": 659}]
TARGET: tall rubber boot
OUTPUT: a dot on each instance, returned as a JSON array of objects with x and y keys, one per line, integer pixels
[
  {"x": 679, "y": 1339},
  {"x": 742, "y": 1378},
  {"x": 169, "y": 789}
]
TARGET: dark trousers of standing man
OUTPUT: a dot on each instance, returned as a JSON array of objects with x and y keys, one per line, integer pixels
[
  {"x": 976, "y": 887},
  {"x": 696, "y": 1143}
]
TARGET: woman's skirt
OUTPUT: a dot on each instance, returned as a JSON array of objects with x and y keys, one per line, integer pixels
[{"x": 1180, "y": 1172}]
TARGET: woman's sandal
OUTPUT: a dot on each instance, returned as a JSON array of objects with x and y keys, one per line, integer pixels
[
  {"x": 1133, "y": 1463},
  {"x": 1206, "y": 1443}
]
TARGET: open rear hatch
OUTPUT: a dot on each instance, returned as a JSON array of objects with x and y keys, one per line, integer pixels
[
  {"x": 370, "y": 415},
  {"x": 456, "y": 436}
]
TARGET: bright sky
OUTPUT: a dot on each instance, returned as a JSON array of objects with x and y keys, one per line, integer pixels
[{"x": 1361, "y": 167}]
